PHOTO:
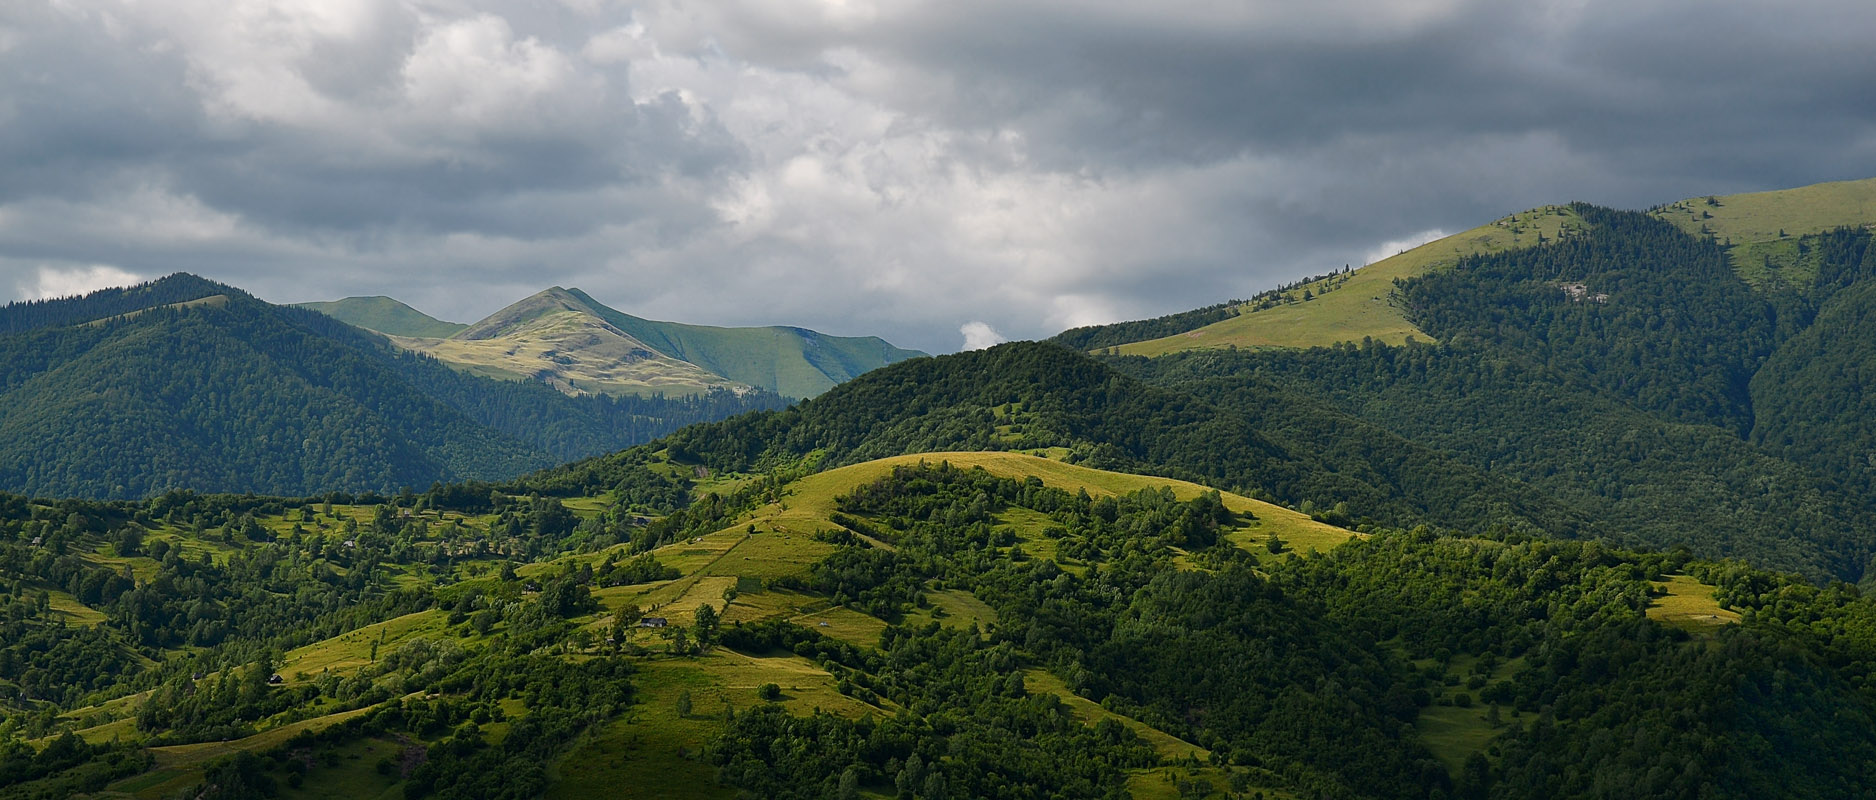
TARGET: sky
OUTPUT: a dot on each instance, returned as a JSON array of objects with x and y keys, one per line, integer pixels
[{"x": 943, "y": 174}]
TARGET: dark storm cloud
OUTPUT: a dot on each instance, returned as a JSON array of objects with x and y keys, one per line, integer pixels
[{"x": 893, "y": 168}]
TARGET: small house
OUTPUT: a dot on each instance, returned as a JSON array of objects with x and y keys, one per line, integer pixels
[
  {"x": 275, "y": 679},
  {"x": 653, "y": 622}
]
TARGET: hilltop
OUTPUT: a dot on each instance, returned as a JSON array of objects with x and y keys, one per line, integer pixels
[
  {"x": 1762, "y": 232},
  {"x": 557, "y": 339},
  {"x": 568, "y": 340},
  {"x": 183, "y": 383},
  {"x": 386, "y": 316}
]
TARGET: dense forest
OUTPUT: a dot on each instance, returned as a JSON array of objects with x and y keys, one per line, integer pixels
[
  {"x": 1094, "y": 337},
  {"x": 1306, "y": 675},
  {"x": 1026, "y": 396},
  {"x": 239, "y": 395},
  {"x": 1626, "y": 371}
]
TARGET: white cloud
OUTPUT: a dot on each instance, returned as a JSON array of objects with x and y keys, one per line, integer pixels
[
  {"x": 1394, "y": 247},
  {"x": 51, "y": 282},
  {"x": 878, "y": 168},
  {"x": 978, "y": 335}
]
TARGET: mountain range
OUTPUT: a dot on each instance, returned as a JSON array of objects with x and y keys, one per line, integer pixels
[
  {"x": 1574, "y": 504},
  {"x": 565, "y": 338}
]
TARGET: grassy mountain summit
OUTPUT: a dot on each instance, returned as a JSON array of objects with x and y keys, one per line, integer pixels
[
  {"x": 556, "y": 338},
  {"x": 1761, "y": 230},
  {"x": 792, "y": 362},
  {"x": 1347, "y": 307},
  {"x": 567, "y": 339},
  {"x": 386, "y": 316}
]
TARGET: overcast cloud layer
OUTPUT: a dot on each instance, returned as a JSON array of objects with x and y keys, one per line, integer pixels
[{"x": 944, "y": 174}]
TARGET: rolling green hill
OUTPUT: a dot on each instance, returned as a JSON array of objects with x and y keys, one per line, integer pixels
[
  {"x": 1629, "y": 371},
  {"x": 555, "y": 338},
  {"x": 568, "y": 340},
  {"x": 207, "y": 388},
  {"x": 1762, "y": 230},
  {"x": 1359, "y": 304},
  {"x": 953, "y": 623},
  {"x": 386, "y": 316},
  {"x": 792, "y": 362}
]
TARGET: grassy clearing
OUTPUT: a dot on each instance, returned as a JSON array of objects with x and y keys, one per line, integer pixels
[
  {"x": 1361, "y": 307},
  {"x": 845, "y": 624},
  {"x": 349, "y": 652},
  {"x": 1689, "y": 604},
  {"x": 180, "y": 766},
  {"x": 70, "y": 609},
  {"x": 1163, "y": 783},
  {"x": 1454, "y": 728},
  {"x": 654, "y": 752},
  {"x": 1165, "y": 744},
  {"x": 1763, "y": 227},
  {"x": 953, "y": 608},
  {"x": 571, "y": 351},
  {"x": 354, "y": 775},
  {"x": 1760, "y": 216},
  {"x": 1452, "y": 733}
]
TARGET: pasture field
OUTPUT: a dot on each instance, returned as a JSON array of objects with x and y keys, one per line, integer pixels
[
  {"x": 1761, "y": 229},
  {"x": 1359, "y": 304},
  {"x": 1689, "y": 604}
]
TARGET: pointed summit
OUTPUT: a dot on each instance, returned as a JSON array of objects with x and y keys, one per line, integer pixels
[
  {"x": 553, "y": 300},
  {"x": 558, "y": 339}
]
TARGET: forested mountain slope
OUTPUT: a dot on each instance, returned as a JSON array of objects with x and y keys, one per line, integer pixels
[
  {"x": 184, "y": 383},
  {"x": 952, "y": 625},
  {"x": 1028, "y": 396},
  {"x": 1628, "y": 369}
]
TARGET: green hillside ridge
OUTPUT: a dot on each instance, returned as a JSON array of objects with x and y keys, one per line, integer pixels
[
  {"x": 210, "y": 389},
  {"x": 1761, "y": 229},
  {"x": 555, "y": 338},
  {"x": 792, "y": 362},
  {"x": 1664, "y": 398},
  {"x": 1015, "y": 623},
  {"x": 386, "y": 316},
  {"x": 568, "y": 340},
  {"x": 1359, "y": 304}
]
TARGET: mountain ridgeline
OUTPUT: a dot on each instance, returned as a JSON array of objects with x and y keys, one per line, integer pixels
[
  {"x": 1600, "y": 538},
  {"x": 1629, "y": 371},
  {"x": 565, "y": 338},
  {"x": 188, "y": 384}
]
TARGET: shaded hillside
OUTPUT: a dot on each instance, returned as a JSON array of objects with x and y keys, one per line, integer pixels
[
  {"x": 386, "y": 316},
  {"x": 1029, "y": 396},
  {"x": 224, "y": 399},
  {"x": 239, "y": 395},
  {"x": 1628, "y": 370},
  {"x": 1645, "y": 480}
]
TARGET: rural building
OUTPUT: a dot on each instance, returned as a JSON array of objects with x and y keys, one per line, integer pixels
[{"x": 653, "y": 622}]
